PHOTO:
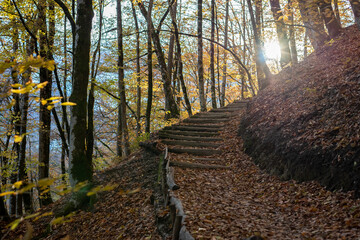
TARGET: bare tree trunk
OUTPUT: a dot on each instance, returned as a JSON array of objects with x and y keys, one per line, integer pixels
[
  {"x": 179, "y": 62},
  {"x": 313, "y": 23},
  {"x": 259, "y": 52},
  {"x": 355, "y": 5},
  {"x": 171, "y": 108},
  {"x": 281, "y": 32},
  {"x": 212, "y": 55},
  {"x": 45, "y": 93},
  {"x": 223, "y": 84},
  {"x": 138, "y": 78},
  {"x": 337, "y": 12},
  {"x": 258, "y": 15},
  {"x": 80, "y": 168},
  {"x": 91, "y": 100},
  {"x": 200, "y": 64},
  {"x": 329, "y": 17},
  {"x": 123, "y": 134},
  {"x": 294, "y": 57},
  {"x": 150, "y": 73},
  {"x": 305, "y": 45}
]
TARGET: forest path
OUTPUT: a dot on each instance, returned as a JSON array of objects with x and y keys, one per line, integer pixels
[{"x": 234, "y": 199}]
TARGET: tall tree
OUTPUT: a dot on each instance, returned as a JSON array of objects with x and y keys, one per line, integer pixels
[
  {"x": 171, "y": 108},
  {"x": 292, "y": 39},
  {"x": 200, "y": 57},
  {"x": 312, "y": 21},
  {"x": 138, "y": 77},
  {"x": 263, "y": 83},
  {"x": 281, "y": 32},
  {"x": 150, "y": 73},
  {"x": 329, "y": 17},
  {"x": 212, "y": 55},
  {"x": 80, "y": 167},
  {"x": 123, "y": 133},
  {"x": 355, "y": 5},
  {"x": 46, "y": 39},
  {"x": 223, "y": 84}
]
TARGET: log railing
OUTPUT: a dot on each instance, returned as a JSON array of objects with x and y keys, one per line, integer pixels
[{"x": 177, "y": 214}]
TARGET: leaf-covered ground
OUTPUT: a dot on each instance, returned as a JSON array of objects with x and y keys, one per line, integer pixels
[
  {"x": 245, "y": 201},
  {"x": 306, "y": 125},
  {"x": 116, "y": 215}
]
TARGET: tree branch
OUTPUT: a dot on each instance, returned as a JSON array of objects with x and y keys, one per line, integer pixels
[{"x": 68, "y": 15}]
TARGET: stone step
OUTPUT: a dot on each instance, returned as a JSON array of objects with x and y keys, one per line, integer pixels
[
  {"x": 190, "y": 133},
  {"x": 205, "y": 120},
  {"x": 192, "y": 128},
  {"x": 195, "y": 151},
  {"x": 188, "y": 138},
  {"x": 191, "y": 143}
]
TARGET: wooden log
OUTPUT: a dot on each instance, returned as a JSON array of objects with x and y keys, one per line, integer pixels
[
  {"x": 190, "y": 133},
  {"x": 191, "y": 143},
  {"x": 184, "y": 234},
  {"x": 177, "y": 227},
  {"x": 192, "y": 128},
  {"x": 188, "y": 138},
  {"x": 195, "y": 151},
  {"x": 170, "y": 179},
  {"x": 178, "y": 205},
  {"x": 197, "y": 165}
]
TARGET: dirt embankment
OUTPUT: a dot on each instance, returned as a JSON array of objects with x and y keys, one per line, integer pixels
[{"x": 306, "y": 125}]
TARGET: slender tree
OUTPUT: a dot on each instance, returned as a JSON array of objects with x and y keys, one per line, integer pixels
[
  {"x": 281, "y": 32},
  {"x": 200, "y": 64},
  {"x": 355, "y": 5},
  {"x": 329, "y": 17},
  {"x": 212, "y": 55}
]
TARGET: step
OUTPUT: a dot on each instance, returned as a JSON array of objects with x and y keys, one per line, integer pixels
[
  {"x": 190, "y": 143},
  {"x": 205, "y": 120},
  {"x": 189, "y": 138},
  {"x": 210, "y": 116},
  {"x": 197, "y": 165},
  {"x": 231, "y": 110},
  {"x": 206, "y": 159},
  {"x": 192, "y": 128},
  {"x": 214, "y": 126},
  {"x": 190, "y": 133},
  {"x": 196, "y": 151}
]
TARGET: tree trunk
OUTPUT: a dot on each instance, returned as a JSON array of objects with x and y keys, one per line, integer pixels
[
  {"x": 138, "y": 78},
  {"x": 263, "y": 83},
  {"x": 179, "y": 62},
  {"x": 171, "y": 108},
  {"x": 294, "y": 56},
  {"x": 91, "y": 100},
  {"x": 123, "y": 134},
  {"x": 200, "y": 64},
  {"x": 281, "y": 32},
  {"x": 212, "y": 55},
  {"x": 329, "y": 17},
  {"x": 313, "y": 23},
  {"x": 337, "y": 12},
  {"x": 355, "y": 5},
  {"x": 150, "y": 73},
  {"x": 80, "y": 168},
  {"x": 258, "y": 15},
  {"x": 223, "y": 84},
  {"x": 45, "y": 93}
]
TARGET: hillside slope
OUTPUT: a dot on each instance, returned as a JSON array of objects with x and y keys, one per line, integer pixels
[{"x": 306, "y": 125}]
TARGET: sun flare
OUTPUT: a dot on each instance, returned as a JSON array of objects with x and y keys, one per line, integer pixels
[{"x": 272, "y": 50}]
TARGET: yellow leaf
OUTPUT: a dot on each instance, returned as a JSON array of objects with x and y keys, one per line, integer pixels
[
  {"x": 19, "y": 91},
  {"x": 50, "y": 107},
  {"x": 42, "y": 85},
  {"x": 43, "y": 102},
  {"x": 68, "y": 104},
  {"x": 18, "y": 138},
  {"x": 7, "y": 193},
  {"x": 17, "y": 184},
  {"x": 17, "y": 85},
  {"x": 54, "y": 98},
  {"x": 54, "y": 102},
  {"x": 50, "y": 65}
]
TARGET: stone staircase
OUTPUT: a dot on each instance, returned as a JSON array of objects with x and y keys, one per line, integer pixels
[{"x": 199, "y": 136}]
